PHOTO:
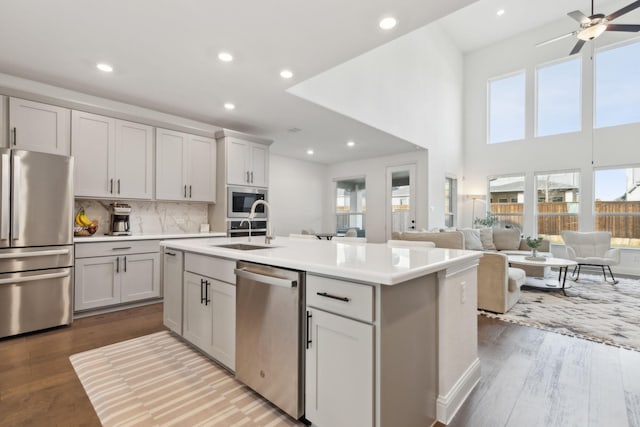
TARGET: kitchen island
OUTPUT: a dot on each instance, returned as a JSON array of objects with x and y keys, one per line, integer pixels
[{"x": 391, "y": 332}]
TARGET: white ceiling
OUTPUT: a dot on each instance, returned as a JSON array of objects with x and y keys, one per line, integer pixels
[{"x": 165, "y": 56}]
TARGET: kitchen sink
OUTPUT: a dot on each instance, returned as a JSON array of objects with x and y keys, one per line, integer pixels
[{"x": 242, "y": 246}]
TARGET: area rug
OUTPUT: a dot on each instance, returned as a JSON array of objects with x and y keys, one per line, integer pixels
[
  {"x": 157, "y": 380},
  {"x": 592, "y": 309}
]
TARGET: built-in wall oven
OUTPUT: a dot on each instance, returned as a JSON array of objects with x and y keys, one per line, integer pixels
[{"x": 240, "y": 200}]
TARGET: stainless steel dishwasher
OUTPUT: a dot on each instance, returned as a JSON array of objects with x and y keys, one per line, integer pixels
[{"x": 269, "y": 333}]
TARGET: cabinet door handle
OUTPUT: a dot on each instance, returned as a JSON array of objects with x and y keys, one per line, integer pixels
[
  {"x": 125, "y": 264},
  {"x": 248, "y": 182},
  {"x": 117, "y": 264},
  {"x": 121, "y": 248},
  {"x": 118, "y": 185},
  {"x": 309, "y": 316},
  {"x": 185, "y": 191},
  {"x": 15, "y": 136},
  {"x": 111, "y": 186},
  {"x": 252, "y": 177},
  {"x": 326, "y": 295},
  {"x": 202, "y": 298},
  {"x": 207, "y": 285},
  {"x": 170, "y": 253},
  {"x": 189, "y": 191}
]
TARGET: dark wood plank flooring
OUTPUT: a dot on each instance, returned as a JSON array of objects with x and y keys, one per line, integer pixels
[
  {"x": 38, "y": 386},
  {"x": 529, "y": 377}
]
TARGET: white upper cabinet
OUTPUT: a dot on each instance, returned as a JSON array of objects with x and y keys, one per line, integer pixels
[
  {"x": 3, "y": 122},
  {"x": 185, "y": 167},
  {"x": 39, "y": 127},
  {"x": 247, "y": 158},
  {"x": 113, "y": 158}
]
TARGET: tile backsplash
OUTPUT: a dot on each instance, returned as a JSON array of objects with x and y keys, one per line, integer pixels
[{"x": 150, "y": 217}]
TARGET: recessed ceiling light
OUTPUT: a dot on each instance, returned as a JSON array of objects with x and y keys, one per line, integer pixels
[
  {"x": 104, "y": 67},
  {"x": 229, "y": 106},
  {"x": 225, "y": 57},
  {"x": 500, "y": 12},
  {"x": 310, "y": 152},
  {"x": 388, "y": 23},
  {"x": 350, "y": 143},
  {"x": 286, "y": 74}
]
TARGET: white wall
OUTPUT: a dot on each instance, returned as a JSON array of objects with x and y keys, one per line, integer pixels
[
  {"x": 375, "y": 172},
  {"x": 296, "y": 194},
  {"x": 581, "y": 151},
  {"x": 410, "y": 87}
]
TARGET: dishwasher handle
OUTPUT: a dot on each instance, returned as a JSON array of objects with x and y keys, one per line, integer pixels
[{"x": 269, "y": 280}]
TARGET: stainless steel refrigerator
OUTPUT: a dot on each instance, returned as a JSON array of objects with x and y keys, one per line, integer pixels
[{"x": 36, "y": 241}]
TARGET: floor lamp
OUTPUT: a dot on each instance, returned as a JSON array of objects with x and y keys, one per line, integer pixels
[{"x": 474, "y": 197}]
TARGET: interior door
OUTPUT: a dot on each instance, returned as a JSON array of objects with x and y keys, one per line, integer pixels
[{"x": 401, "y": 198}]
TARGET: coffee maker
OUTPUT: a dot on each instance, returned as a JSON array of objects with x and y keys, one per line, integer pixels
[{"x": 119, "y": 219}]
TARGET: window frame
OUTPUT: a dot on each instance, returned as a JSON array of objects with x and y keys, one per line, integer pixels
[
  {"x": 536, "y": 101},
  {"x": 596, "y": 215},
  {"x": 537, "y": 214},
  {"x": 522, "y": 175},
  {"x": 361, "y": 213},
  {"x": 451, "y": 215},
  {"x": 523, "y": 72}
]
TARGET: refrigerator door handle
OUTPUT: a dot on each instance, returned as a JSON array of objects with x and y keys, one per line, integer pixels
[
  {"x": 13, "y": 255},
  {"x": 4, "y": 197},
  {"x": 33, "y": 278},
  {"x": 17, "y": 184}
]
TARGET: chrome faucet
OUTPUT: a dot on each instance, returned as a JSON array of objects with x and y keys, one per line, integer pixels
[
  {"x": 248, "y": 222},
  {"x": 268, "y": 237}
]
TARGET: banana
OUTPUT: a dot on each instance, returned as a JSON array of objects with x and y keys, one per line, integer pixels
[{"x": 82, "y": 220}]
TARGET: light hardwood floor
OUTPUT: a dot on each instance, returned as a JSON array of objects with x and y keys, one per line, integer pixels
[{"x": 529, "y": 377}]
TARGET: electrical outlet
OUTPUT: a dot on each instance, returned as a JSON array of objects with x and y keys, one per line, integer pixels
[{"x": 463, "y": 292}]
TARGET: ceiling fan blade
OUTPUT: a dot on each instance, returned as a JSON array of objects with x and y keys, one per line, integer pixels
[
  {"x": 628, "y": 8},
  {"x": 555, "y": 39},
  {"x": 623, "y": 27},
  {"x": 577, "y": 47},
  {"x": 580, "y": 17}
]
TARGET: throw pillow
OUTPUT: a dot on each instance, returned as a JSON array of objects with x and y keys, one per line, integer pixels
[
  {"x": 506, "y": 239},
  {"x": 472, "y": 239},
  {"x": 486, "y": 237}
]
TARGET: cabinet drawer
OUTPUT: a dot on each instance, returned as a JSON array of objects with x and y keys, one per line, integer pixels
[
  {"x": 216, "y": 268},
  {"x": 340, "y": 297},
  {"x": 86, "y": 250}
]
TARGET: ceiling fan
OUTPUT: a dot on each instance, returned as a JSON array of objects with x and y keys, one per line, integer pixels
[{"x": 596, "y": 24}]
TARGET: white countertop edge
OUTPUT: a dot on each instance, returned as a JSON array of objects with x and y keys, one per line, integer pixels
[
  {"x": 460, "y": 257},
  {"x": 106, "y": 238}
]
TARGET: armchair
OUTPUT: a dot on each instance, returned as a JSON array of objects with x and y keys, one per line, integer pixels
[{"x": 591, "y": 249}]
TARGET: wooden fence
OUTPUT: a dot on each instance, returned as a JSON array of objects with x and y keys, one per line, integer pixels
[{"x": 616, "y": 217}]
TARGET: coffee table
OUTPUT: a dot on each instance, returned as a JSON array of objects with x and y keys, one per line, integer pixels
[{"x": 542, "y": 282}]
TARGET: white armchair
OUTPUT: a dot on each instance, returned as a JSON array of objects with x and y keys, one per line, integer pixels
[{"x": 591, "y": 249}]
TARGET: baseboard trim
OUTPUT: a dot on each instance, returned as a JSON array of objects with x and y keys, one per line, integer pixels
[
  {"x": 112, "y": 308},
  {"x": 447, "y": 406}
]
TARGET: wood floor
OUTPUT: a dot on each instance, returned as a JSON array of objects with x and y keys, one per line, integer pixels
[{"x": 529, "y": 377}]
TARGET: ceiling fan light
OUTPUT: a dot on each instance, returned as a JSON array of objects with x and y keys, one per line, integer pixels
[{"x": 592, "y": 32}]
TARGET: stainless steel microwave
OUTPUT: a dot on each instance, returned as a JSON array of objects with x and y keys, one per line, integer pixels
[{"x": 240, "y": 200}]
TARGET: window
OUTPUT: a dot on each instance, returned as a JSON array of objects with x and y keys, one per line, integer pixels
[
  {"x": 450, "y": 197},
  {"x": 558, "y": 97},
  {"x": 507, "y": 200},
  {"x": 558, "y": 203},
  {"x": 350, "y": 205},
  {"x": 617, "y": 205},
  {"x": 506, "y": 108},
  {"x": 617, "y": 85}
]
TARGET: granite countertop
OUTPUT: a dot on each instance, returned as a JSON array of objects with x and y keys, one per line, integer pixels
[
  {"x": 364, "y": 262},
  {"x": 157, "y": 236}
]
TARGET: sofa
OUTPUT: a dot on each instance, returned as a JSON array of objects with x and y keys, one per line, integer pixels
[{"x": 498, "y": 284}]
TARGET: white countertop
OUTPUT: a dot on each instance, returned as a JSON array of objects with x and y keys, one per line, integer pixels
[
  {"x": 364, "y": 262},
  {"x": 107, "y": 238}
]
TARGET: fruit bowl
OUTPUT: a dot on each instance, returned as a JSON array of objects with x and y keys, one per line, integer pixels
[{"x": 83, "y": 225}]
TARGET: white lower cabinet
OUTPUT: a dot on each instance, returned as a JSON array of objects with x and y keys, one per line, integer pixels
[
  {"x": 114, "y": 273},
  {"x": 172, "y": 283},
  {"x": 209, "y": 316},
  {"x": 339, "y": 375}
]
